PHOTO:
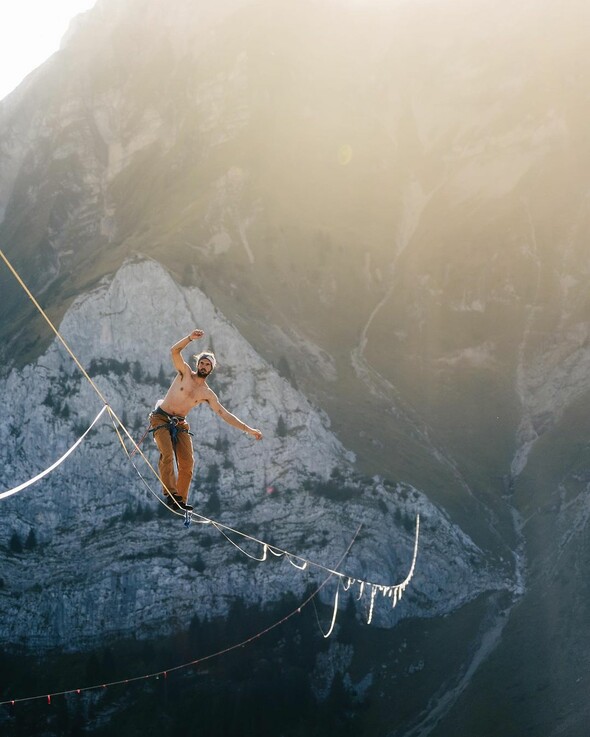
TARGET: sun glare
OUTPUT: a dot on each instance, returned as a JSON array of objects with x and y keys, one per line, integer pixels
[{"x": 30, "y": 31}]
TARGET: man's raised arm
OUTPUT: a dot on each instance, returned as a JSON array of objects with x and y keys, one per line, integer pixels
[{"x": 176, "y": 351}]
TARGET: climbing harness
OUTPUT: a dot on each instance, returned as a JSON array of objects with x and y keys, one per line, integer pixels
[{"x": 172, "y": 424}]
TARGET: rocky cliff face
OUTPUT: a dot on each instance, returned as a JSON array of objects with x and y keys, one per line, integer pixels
[
  {"x": 103, "y": 563},
  {"x": 390, "y": 204}
]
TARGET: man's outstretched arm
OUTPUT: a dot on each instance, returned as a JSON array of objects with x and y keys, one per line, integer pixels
[
  {"x": 231, "y": 419},
  {"x": 176, "y": 351}
]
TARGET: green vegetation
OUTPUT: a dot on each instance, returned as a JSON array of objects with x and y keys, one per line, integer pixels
[
  {"x": 336, "y": 488},
  {"x": 285, "y": 371},
  {"x": 31, "y": 541},
  {"x": 264, "y": 688},
  {"x": 15, "y": 545},
  {"x": 282, "y": 429},
  {"x": 105, "y": 366}
]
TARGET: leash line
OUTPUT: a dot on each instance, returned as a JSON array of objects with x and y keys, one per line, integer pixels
[{"x": 51, "y": 325}]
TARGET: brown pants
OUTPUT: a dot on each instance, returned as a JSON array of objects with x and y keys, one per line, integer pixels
[{"x": 182, "y": 452}]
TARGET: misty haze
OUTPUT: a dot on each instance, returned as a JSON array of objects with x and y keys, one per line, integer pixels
[{"x": 379, "y": 214}]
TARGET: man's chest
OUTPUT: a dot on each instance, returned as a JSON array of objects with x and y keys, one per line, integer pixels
[{"x": 189, "y": 389}]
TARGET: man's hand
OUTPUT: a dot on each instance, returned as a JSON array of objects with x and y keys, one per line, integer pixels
[
  {"x": 255, "y": 433},
  {"x": 196, "y": 334}
]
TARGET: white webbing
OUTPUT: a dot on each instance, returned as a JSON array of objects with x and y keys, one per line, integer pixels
[
  {"x": 24, "y": 485},
  {"x": 334, "y": 614},
  {"x": 290, "y": 559}
]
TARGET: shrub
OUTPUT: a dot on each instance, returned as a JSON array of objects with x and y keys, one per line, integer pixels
[
  {"x": 31, "y": 541},
  {"x": 15, "y": 544}
]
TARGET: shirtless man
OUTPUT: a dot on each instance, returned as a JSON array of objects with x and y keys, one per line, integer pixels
[{"x": 170, "y": 428}]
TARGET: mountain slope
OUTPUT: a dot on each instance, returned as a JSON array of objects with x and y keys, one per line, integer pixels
[
  {"x": 390, "y": 204},
  {"x": 113, "y": 576}
]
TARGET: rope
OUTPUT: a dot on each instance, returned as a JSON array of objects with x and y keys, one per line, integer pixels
[
  {"x": 347, "y": 581},
  {"x": 52, "y": 326},
  {"x": 191, "y": 663},
  {"x": 300, "y": 568},
  {"x": 334, "y": 614},
  {"x": 16, "y": 489},
  {"x": 69, "y": 350},
  {"x": 79, "y": 365},
  {"x": 140, "y": 441},
  {"x": 139, "y": 451},
  {"x": 290, "y": 556},
  {"x": 223, "y": 529},
  {"x": 395, "y": 592},
  {"x": 245, "y": 552},
  {"x": 278, "y": 552},
  {"x": 200, "y": 518}
]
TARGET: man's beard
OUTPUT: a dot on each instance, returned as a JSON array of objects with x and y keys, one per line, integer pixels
[{"x": 202, "y": 373}]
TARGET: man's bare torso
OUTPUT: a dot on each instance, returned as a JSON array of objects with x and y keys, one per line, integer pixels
[{"x": 186, "y": 391}]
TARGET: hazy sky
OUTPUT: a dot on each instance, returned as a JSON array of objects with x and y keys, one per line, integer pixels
[{"x": 30, "y": 31}]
